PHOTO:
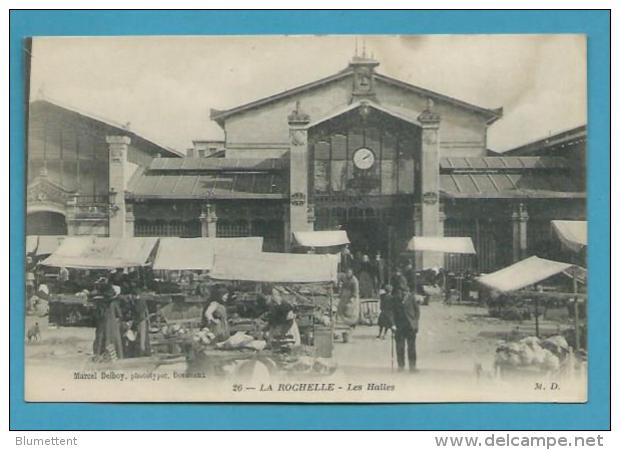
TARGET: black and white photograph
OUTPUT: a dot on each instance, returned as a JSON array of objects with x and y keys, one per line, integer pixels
[{"x": 306, "y": 218}]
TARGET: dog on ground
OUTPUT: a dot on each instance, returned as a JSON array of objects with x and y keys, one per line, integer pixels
[{"x": 34, "y": 333}]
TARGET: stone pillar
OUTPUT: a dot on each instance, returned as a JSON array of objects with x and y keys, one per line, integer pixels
[
  {"x": 129, "y": 220},
  {"x": 429, "y": 173},
  {"x": 300, "y": 211},
  {"x": 287, "y": 228},
  {"x": 442, "y": 220},
  {"x": 71, "y": 216},
  {"x": 520, "y": 218},
  {"x": 208, "y": 221},
  {"x": 118, "y": 165},
  {"x": 417, "y": 230}
]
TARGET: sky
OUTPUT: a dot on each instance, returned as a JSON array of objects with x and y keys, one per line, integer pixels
[{"x": 164, "y": 87}]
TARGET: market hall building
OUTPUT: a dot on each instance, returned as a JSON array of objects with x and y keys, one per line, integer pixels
[
  {"x": 357, "y": 151},
  {"x": 69, "y": 168}
]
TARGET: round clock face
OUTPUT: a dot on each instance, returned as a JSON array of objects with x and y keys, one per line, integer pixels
[{"x": 363, "y": 158}]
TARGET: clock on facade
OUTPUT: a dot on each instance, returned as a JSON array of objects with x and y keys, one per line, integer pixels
[{"x": 363, "y": 158}]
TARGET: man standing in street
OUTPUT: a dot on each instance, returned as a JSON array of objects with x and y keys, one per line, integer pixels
[{"x": 406, "y": 320}]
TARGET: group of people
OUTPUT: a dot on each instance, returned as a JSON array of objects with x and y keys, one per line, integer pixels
[
  {"x": 370, "y": 273},
  {"x": 121, "y": 319},
  {"x": 399, "y": 309}
]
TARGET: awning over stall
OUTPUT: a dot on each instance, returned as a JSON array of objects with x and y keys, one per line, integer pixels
[
  {"x": 102, "y": 252},
  {"x": 441, "y": 244},
  {"x": 43, "y": 245},
  {"x": 525, "y": 273},
  {"x": 321, "y": 238},
  {"x": 572, "y": 233},
  {"x": 276, "y": 268},
  {"x": 31, "y": 243},
  {"x": 48, "y": 244},
  {"x": 176, "y": 253}
]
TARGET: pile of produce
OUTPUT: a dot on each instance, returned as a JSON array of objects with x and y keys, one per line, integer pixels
[
  {"x": 173, "y": 331},
  {"x": 532, "y": 352},
  {"x": 203, "y": 336},
  {"x": 240, "y": 340}
]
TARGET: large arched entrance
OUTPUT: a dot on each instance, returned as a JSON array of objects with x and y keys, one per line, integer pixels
[
  {"x": 46, "y": 223},
  {"x": 364, "y": 177}
]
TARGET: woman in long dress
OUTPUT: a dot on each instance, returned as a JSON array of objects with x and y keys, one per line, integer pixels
[
  {"x": 112, "y": 324},
  {"x": 366, "y": 278},
  {"x": 348, "y": 311},
  {"x": 141, "y": 319}
]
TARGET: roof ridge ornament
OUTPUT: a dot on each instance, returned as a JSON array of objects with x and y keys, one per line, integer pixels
[
  {"x": 297, "y": 116},
  {"x": 429, "y": 116},
  {"x": 363, "y": 80}
]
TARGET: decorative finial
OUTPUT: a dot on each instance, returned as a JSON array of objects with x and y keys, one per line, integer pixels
[
  {"x": 297, "y": 115},
  {"x": 429, "y": 116}
]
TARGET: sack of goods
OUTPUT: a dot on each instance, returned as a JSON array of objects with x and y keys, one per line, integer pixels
[{"x": 532, "y": 352}]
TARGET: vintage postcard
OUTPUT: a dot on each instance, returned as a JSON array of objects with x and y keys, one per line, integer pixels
[{"x": 306, "y": 219}]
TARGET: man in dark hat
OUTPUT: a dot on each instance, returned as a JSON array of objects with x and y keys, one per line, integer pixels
[
  {"x": 399, "y": 283},
  {"x": 406, "y": 321}
]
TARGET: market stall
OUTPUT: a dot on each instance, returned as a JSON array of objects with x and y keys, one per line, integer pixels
[
  {"x": 443, "y": 245},
  {"x": 572, "y": 233},
  {"x": 102, "y": 252},
  {"x": 90, "y": 259},
  {"x": 507, "y": 284},
  {"x": 177, "y": 320},
  {"x": 524, "y": 273},
  {"x": 176, "y": 253},
  {"x": 297, "y": 312},
  {"x": 555, "y": 351},
  {"x": 329, "y": 241},
  {"x": 39, "y": 246}
]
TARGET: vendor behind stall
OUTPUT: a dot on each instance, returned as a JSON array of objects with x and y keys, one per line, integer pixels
[
  {"x": 282, "y": 325},
  {"x": 180, "y": 310},
  {"x": 214, "y": 315}
]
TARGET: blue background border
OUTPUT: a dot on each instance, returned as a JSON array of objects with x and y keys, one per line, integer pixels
[{"x": 593, "y": 415}]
